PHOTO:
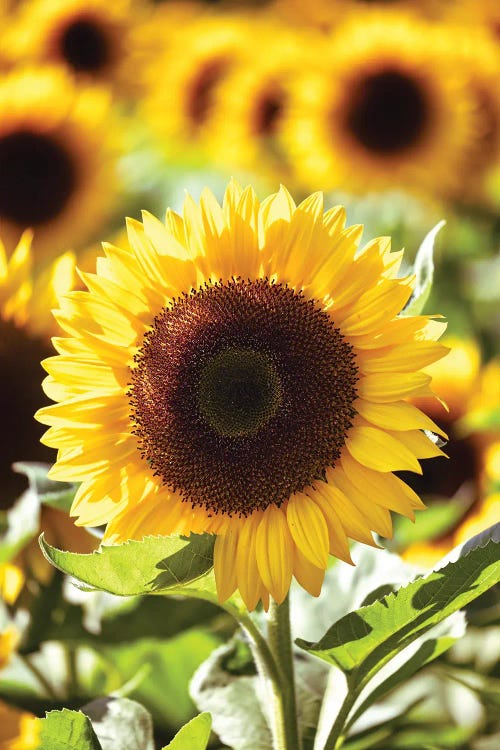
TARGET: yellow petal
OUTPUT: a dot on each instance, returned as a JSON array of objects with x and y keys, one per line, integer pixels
[
  {"x": 353, "y": 522},
  {"x": 274, "y": 553},
  {"x": 393, "y": 386},
  {"x": 399, "y": 415},
  {"x": 308, "y": 529},
  {"x": 377, "y": 518},
  {"x": 247, "y": 572},
  {"x": 378, "y": 450},
  {"x": 383, "y": 488},
  {"x": 226, "y": 546},
  {"x": 308, "y": 575},
  {"x": 419, "y": 444},
  {"x": 325, "y": 496},
  {"x": 375, "y": 308}
]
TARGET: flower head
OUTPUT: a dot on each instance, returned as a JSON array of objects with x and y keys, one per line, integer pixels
[
  {"x": 385, "y": 107},
  {"x": 241, "y": 370},
  {"x": 19, "y": 730},
  {"x": 91, "y": 39},
  {"x": 56, "y": 168}
]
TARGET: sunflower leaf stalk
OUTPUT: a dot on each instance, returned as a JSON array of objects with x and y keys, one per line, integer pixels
[{"x": 287, "y": 736}]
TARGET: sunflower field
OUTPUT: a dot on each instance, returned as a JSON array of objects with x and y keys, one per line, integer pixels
[{"x": 250, "y": 374}]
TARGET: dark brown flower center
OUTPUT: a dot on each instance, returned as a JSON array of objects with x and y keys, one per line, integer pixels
[
  {"x": 444, "y": 477},
  {"x": 388, "y": 112},
  {"x": 242, "y": 394},
  {"x": 37, "y": 177},
  {"x": 202, "y": 88},
  {"x": 268, "y": 112},
  {"x": 85, "y": 46},
  {"x": 20, "y": 396}
]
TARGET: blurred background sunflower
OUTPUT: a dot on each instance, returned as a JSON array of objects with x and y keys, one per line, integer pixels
[{"x": 392, "y": 107}]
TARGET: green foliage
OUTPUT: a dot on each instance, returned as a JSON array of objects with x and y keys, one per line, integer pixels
[
  {"x": 441, "y": 516},
  {"x": 18, "y": 525},
  {"x": 362, "y": 642},
  {"x": 365, "y": 639},
  {"x": 56, "y": 494},
  {"x": 194, "y": 735},
  {"x": 67, "y": 730},
  {"x": 482, "y": 420},
  {"x": 155, "y": 565},
  {"x": 121, "y": 723},
  {"x": 424, "y": 273},
  {"x": 168, "y": 668},
  {"x": 21, "y": 522}
]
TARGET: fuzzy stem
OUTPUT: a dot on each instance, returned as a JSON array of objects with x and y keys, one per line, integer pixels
[{"x": 287, "y": 735}]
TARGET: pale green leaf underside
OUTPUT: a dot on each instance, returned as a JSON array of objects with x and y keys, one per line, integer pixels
[
  {"x": 67, "y": 730},
  {"x": 424, "y": 273},
  {"x": 362, "y": 640},
  {"x": 155, "y": 565},
  {"x": 194, "y": 735}
]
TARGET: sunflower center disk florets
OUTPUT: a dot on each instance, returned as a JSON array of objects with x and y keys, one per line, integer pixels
[
  {"x": 388, "y": 112},
  {"x": 84, "y": 46},
  {"x": 37, "y": 178},
  {"x": 242, "y": 394}
]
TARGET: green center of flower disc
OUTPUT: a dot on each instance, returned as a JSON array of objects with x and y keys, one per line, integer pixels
[{"x": 239, "y": 391}]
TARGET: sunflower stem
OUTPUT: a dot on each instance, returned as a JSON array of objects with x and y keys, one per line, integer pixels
[{"x": 286, "y": 730}]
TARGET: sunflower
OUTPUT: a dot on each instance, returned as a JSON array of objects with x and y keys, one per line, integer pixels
[
  {"x": 476, "y": 53},
  {"x": 241, "y": 370},
  {"x": 471, "y": 473},
  {"x": 11, "y": 582},
  {"x": 385, "y": 107},
  {"x": 181, "y": 84},
  {"x": 9, "y": 640},
  {"x": 56, "y": 169},
  {"x": 19, "y": 730},
  {"x": 486, "y": 14},
  {"x": 90, "y": 38},
  {"x": 250, "y": 101},
  {"x": 26, "y": 325},
  {"x": 326, "y": 15}
]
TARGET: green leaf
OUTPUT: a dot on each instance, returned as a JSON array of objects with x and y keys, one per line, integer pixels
[
  {"x": 479, "y": 420},
  {"x": 441, "y": 515},
  {"x": 424, "y": 272},
  {"x": 363, "y": 641},
  {"x": 426, "y": 653},
  {"x": 67, "y": 730},
  {"x": 155, "y": 565},
  {"x": 194, "y": 735},
  {"x": 121, "y": 723},
  {"x": 233, "y": 700},
  {"x": 57, "y": 494},
  {"x": 19, "y": 525},
  {"x": 163, "y": 690}
]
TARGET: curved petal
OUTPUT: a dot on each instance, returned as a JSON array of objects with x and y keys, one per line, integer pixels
[
  {"x": 308, "y": 529},
  {"x": 275, "y": 553},
  {"x": 378, "y": 450}
]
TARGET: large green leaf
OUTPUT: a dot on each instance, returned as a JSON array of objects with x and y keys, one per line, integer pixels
[
  {"x": 363, "y": 641},
  {"x": 424, "y": 273},
  {"x": 194, "y": 735},
  {"x": 155, "y": 565},
  {"x": 67, "y": 730}
]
